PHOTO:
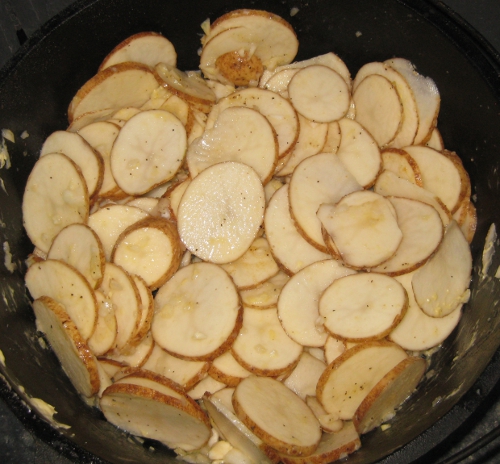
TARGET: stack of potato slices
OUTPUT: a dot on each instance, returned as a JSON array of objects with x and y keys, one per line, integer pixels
[{"x": 246, "y": 263}]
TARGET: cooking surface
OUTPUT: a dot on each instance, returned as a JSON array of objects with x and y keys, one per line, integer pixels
[{"x": 21, "y": 18}]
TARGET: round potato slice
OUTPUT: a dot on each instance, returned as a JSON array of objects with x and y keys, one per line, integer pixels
[
  {"x": 148, "y": 151},
  {"x": 273, "y": 413},
  {"x": 55, "y": 196},
  {"x": 198, "y": 313},
  {"x": 75, "y": 357},
  {"x": 151, "y": 249},
  {"x": 266, "y": 294},
  {"x": 363, "y": 306},
  {"x": 221, "y": 212},
  {"x": 319, "y": 93},
  {"x": 104, "y": 336},
  {"x": 226, "y": 369},
  {"x": 402, "y": 164}
]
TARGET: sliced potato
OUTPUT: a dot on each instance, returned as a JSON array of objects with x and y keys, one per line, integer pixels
[
  {"x": 334, "y": 348},
  {"x": 75, "y": 357},
  {"x": 146, "y": 310},
  {"x": 265, "y": 295},
  {"x": 135, "y": 356},
  {"x": 402, "y": 164},
  {"x": 304, "y": 377},
  {"x": 104, "y": 336},
  {"x": 207, "y": 385},
  {"x": 330, "y": 423},
  {"x": 226, "y": 369}
]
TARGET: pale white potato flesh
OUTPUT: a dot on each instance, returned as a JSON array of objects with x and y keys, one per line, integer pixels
[
  {"x": 63, "y": 283},
  {"x": 442, "y": 283},
  {"x": 298, "y": 302},
  {"x": 147, "y": 204},
  {"x": 221, "y": 212},
  {"x": 146, "y": 309},
  {"x": 278, "y": 81},
  {"x": 290, "y": 249},
  {"x": 198, "y": 312},
  {"x": 104, "y": 336},
  {"x": 364, "y": 228},
  {"x": 73, "y": 353},
  {"x": 356, "y": 371},
  {"x": 378, "y": 108},
  {"x": 330, "y": 423},
  {"x": 417, "y": 331},
  {"x": 78, "y": 245},
  {"x": 174, "y": 196},
  {"x": 55, "y": 196},
  {"x": 206, "y": 385},
  {"x": 89, "y": 118},
  {"x": 135, "y": 355},
  {"x": 422, "y": 230},
  {"x": 304, "y": 377},
  {"x": 435, "y": 140},
  {"x": 148, "y": 151},
  {"x": 322, "y": 178},
  {"x": 151, "y": 249},
  {"x": 272, "y": 412},
  {"x": 391, "y": 391},
  {"x": 333, "y": 348},
  {"x": 262, "y": 346},
  {"x": 226, "y": 369},
  {"x": 363, "y": 306},
  {"x": 239, "y": 134},
  {"x": 72, "y": 145},
  {"x": 254, "y": 267},
  {"x": 124, "y": 84},
  {"x": 266, "y": 294},
  {"x": 278, "y": 110},
  {"x": 319, "y": 93},
  {"x": 402, "y": 164},
  {"x": 145, "y": 47},
  {"x": 333, "y": 138}
]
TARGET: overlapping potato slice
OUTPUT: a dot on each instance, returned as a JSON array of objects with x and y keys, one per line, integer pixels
[
  {"x": 239, "y": 134},
  {"x": 103, "y": 338},
  {"x": 265, "y": 295},
  {"x": 330, "y": 423},
  {"x": 207, "y": 385},
  {"x": 146, "y": 309},
  {"x": 133, "y": 357},
  {"x": 198, "y": 313},
  {"x": 263, "y": 347},
  {"x": 63, "y": 283},
  {"x": 221, "y": 212},
  {"x": 290, "y": 249},
  {"x": 298, "y": 302},
  {"x": 75, "y": 357},
  {"x": 226, "y": 369},
  {"x": 402, "y": 164},
  {"x": 121, "y": 85},
  {"x": 55, "y": 196},
  {"x": 150, "y": 249},
  {"x": 304, "y": 377},
  {"x": 144, "y": 47},
  {"x": 333, "y": 348},
  {"x": 348, "y": 380},
  {"x": 442, "y": 283}
]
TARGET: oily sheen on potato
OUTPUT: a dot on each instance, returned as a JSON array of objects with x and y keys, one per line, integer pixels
[{"x": 247, "y": 262}]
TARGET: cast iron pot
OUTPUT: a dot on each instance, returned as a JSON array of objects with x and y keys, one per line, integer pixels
[{"x": 38, "y": 83}]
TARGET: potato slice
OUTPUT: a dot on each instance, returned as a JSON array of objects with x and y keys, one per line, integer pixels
[
  {"x": 364, "y": 228},
  {"x": 422, "y": 230},
  {"x": 147, "y": 204},
  {"x": 273, "y": 413},
  {"x": 402, "y": 164},
  {"x": 89, "y": 118},
  {"x": 435, "y": 140},
  {"x": 330, "y": 423},
  {"x": 417, "y": 331},
  {"x": 148, "y": 48},
  {"x": 359, "y": 152},
  {"x": 255, "y": 266},
  {"x": 138, "y": 247},
  {"x": 149, "y": 413},
  {"x": 135, "y": 355},
  {"x": 384, "y": 398},
  {"x": 146, "y": 309},
  {"x": 62, "y": 282},
  {"x": 348, "y": 380},
  {"x": 333, "y": 348},
  {"x": 278, "y": 110},
  {"x": 265, "y": 295},
  {"x": 221, "y": 212},
  {"x": 55, "y": 196},
  {"x": 148, "y": 151},
  {"x": 76, "y": 148},
  {"x": 79, "y": 245},
  {"x": 290, "y": 249},
  {"x": 298, "y": 301},
  {"x": 363, "y": 306},
  {"x": 442, "y": 283},
  {"x": 239, "y": 134},
  {"x": 70, "y": 348},
  {"x": 111, "y": 220},
  {"x": 103, "y": 338},
  {"x": 319, "y": 93},
  {"x": 226, "y": 369},
  {"x": 121, "y": 85},
  {"x": 174, "y": 195},
  {"x": 198, "y": 313},
  {"x": 207, "y": 385},
  {"x": 304, "y": 377},
  {"x": 262, "y": 346},
  {"x": 322, "y": 178}
]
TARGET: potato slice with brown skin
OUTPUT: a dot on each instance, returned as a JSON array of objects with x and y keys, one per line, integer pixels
[
  {"x": 348, "y": 380},
  {"x": 79, "y": 245},
  {"x": 104, "y": 336},
  {"x": 330, "y": 423},
  {"x": 266, "y": 294},
  {"x": 221, "y": 212},
  {"x": 273, "y": 413},
  {"x": 145, "y": 47},
  {"x": 76, "y": 148},
  {"x": 124, "y": 84},
  {"x": 55, "y": 196},
  {"x": 390, "y": 392},
  {"x": 138, "y": 247},
  {"x": 134, "y": 357},
  {"x": 146, "y": 309},
  {"x": 363, "y": 306},
  {"x": 207, "y": 385},
  {"x": 435, "y": 141},
  {"x": 304, "y": 377},
  {"x": 226, "y": 369},
  {"x": 402, "y": 164},
  {"x": 62, "y": 282},
  {"x": 75, "y": 357},
  {"x": 198, "y": 313},
  {"x": 334, "y": 348}
]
